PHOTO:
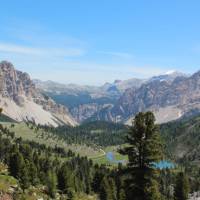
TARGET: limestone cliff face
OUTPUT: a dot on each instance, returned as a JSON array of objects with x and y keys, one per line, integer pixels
[
  {"x": 117, "y": 101},
  {"x": 86, "y": 111},
  {"x": 168, "y": 100},
  {"x": 17, "y": 86}
]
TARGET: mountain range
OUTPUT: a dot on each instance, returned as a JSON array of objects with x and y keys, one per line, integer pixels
[
  {"x": 169, "y": 100},
  {"x": 118, "y": 101},
  {"x": 170, "y": 96}
]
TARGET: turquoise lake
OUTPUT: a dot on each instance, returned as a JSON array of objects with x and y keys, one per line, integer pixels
[{"x": 164, "y": 164}]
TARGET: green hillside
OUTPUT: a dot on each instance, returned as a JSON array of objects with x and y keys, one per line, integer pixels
[
  {"x": 42, "y": 136},
  {"x": 4, "y": 118},
  {"x": 83, "y": 162},
  {"x": 182, "y": 139},
  {"x": 92, "y": 139}
]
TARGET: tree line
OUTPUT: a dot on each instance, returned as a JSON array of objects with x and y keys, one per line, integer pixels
[{"x": 62, "y": 172}]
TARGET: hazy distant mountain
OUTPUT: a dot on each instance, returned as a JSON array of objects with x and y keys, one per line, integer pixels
[
  {"x": 168, "y": 76},
  {"x": 169, "y": 100},
  {"x": 92, "y": 102},
  {"x": 21, "y": 101},
  {"x": 107, "y": 90},
  {"x": 85, "y": 101}
]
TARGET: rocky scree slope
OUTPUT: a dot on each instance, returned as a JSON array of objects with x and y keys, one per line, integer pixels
[
  {"x": 168, "y": 100},
  {"x": 21, "y": 101}
]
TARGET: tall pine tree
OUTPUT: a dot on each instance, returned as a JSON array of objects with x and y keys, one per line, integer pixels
[
  {"x": 144, "y": 148},
  {"x": 181, "y": 189}
]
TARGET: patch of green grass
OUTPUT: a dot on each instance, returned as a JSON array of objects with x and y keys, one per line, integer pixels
[
  {"x": 103, "y": 159},
  {"x": 85, "y": 197},
  {"x": 6, "y": 182},
  {"x": 33, "y": 193},
  {"x": 41, "y": 136}
]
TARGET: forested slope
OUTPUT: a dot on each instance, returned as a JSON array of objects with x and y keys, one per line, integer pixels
[{"x": 182, "y": 138}]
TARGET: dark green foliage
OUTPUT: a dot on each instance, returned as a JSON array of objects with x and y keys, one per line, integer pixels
[
  {"x": 144, "y": 148},
  {"x": 181, "y": 189},
  {"x": 72, "y": 101},
  {"x": 51, "y": 183},
  {"x": 33, "y": 164},
  {"x": 122, "y": 194},
  {"x": 64, "y": 172},
  {"x": 4, "y": 118},
  {"x": 18, "y": 169},
  {"x": 167, "y": 179},
  {"x": 182, "y": 135},
  {"x": 108, "y": 189},
  {"x": 92, "y": 133}
]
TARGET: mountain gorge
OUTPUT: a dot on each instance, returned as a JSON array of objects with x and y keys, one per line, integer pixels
[
  {"x": 59, "y": 161},
  {"x": 168, "y": 100},
  {"x": 170, "y": 96},
  {"x": 21, "y": 101},
  {"x": 84, "y": 101},
  {"x": 121, "y": 100}
]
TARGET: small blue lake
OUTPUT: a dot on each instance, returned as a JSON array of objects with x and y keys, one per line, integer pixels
[
  {"x": 163, "y": 164},
  {"x": 111, "y": 157}
]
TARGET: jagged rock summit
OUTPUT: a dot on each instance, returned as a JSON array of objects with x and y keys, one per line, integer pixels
[
  {"x": 169, "y": 99},
  {"x": 21, "y": 101}
]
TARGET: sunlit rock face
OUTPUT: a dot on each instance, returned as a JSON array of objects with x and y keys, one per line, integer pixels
[
  {"x": 169, "y": 100},
  {"x": 17, "y": 89}
]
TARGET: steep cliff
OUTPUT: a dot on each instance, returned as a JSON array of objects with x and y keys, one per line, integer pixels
[{"x": 20, "y": 99}]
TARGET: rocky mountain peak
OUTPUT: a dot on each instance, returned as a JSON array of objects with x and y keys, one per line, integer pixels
[
  {"x": 16, "y": 84},
  {"x": 169, "y": 96},
  {"x": 18, "y": 88}
]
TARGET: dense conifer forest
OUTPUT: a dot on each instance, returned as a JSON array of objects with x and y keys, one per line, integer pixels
[
  {"x": 61, "y": 174},
  {"x": 100, "y": 133}
]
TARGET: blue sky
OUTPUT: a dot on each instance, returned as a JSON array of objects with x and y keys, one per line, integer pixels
[{"x": 96, "y": 41}]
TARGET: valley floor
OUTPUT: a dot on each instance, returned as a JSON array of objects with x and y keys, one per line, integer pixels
[{"x": 97, "y": 154}]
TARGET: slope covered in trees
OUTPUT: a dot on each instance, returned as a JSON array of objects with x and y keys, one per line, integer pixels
[
  {"x": 182, "y": 139},
  {"x": 58, "y": 173},
  {"x": 99, "y": 133}
]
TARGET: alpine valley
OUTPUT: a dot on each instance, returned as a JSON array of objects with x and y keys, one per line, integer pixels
[
  {"x": 99, "y": 100},
  {"x": 169, "y": 96},
  {"x": 75, "y": 142}
]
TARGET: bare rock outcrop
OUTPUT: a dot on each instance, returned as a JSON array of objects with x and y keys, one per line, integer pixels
[{"x": 18, "y": 88}]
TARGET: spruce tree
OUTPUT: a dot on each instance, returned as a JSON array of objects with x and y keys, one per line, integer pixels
[
  {"x": 24, "y": 179},
  {"x": 108, "y": 189},
  {"x": 51, "y": 183},
  {"x": 16, "y": 163},
  {"x": 122, "y": 194},
  {"x": 181, "y": 189},
  {"x": 144, "y": 149}
]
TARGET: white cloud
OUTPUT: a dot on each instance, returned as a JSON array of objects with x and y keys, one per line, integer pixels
[
  {"x": 50, "y": 55},
  {"x": 20, "y": 49},
  {"x": 94, "y": 73},
  {"x": 117, "y": 54}
]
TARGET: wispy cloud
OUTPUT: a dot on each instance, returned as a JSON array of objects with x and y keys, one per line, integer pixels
[
  {"x": 103, "y": 72},
  {"x": 117, "y": 54},
  {"x": 12, "y": 48},
  {"x": 97, "y": 74},
  {"x": 56, "y": 56},
  {"x": 40, "y": 51}
]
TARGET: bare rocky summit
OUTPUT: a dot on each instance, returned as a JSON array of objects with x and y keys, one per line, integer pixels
[
  {"x": 121, "y": 100},
  {"x": 22, "y": 101},
  {"x": 169, "y": 100}
]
